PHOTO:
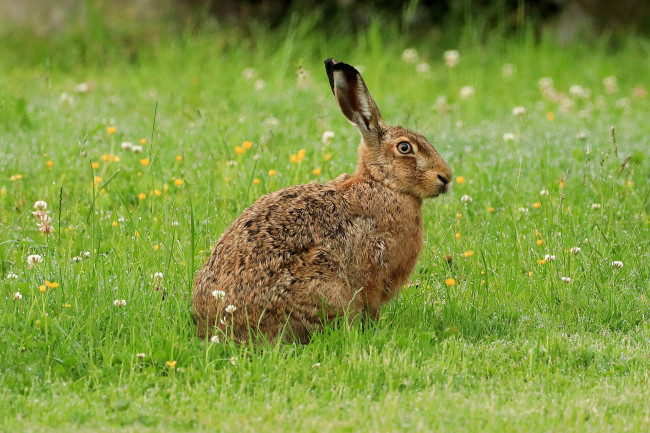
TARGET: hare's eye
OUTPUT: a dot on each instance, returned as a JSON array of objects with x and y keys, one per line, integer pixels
[{"x": 404, "y": 147}]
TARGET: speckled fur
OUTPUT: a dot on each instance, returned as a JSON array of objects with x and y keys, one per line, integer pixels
[{"x": 301, "y": 256}]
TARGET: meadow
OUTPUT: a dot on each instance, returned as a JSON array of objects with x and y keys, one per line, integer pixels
[{"x": 528, "y": 309}]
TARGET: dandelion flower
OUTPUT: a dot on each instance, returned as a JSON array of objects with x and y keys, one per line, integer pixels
[
  {"x": 239, "y": 150},
  {"x": 34, "y": 260},
  {"x": 256, "y": 181},
  {"x": 49, "y": 163},
  {"x": 457, "y": 235},
  {"x": 219, "y": 295},
  {"x": 460, "y": 179},
  {"x": 301, "y": 154},
  {"x": 272, "y": 173},
  {"x": 18, "y": 296},
  {"x": 247, "y": 145},
  {"x": 617, "y": 264},
  {"x": 539, "y": 242},
  {"x": 231, "y": 309},
  {"x": 111, "y": 130},
  {"x": 459, "y": 215},
  {"x": 450, "y": 282},
  {"x": 94, "y": 165},
  {"x": 179, "y": 182},
  {"x": 537, "y": 205},
  {"x": 51, "y": 285},
  {"x": 143, "y": 141},
  {"x": 142, "y": 196},
  {"x": 541, "y": 262},
  {"x": 171, "y": 364},
  {"x": 469, "y": 253},
  {"x": 316, "y": 171},
  {"x": 490, "y": 209},
  {"x": 97, "y": 179},
  {"x": 145, "y": 161}
]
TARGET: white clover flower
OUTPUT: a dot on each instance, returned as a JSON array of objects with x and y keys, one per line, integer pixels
[
  {"x": 544, "y": 192},
  {"x": 452, "y": 57},
  {"x": 119, "y": 302},
  {"x": 410, "y": 55},
  {"x": 259, "y": 84},
  {"x": 623, "y": 103},
  {"x": 223, "y": 321},
  {"x": 140, "y": 355},
  {"x": 574, "y": 250},
  {"x": 34, "y": 260},
  {"x": 85, "y": 254},
  {"x": 175, "y": 224},
  {"x": 466, "y": 199},
  {"x": 577, "y": 91},
  {"x": 233, "y": 360},
  {"x": 610, "y": 84},
  {"x": 545, "y": 83},
  {"x": 231, "y": 309},
  {"x": 248, "y": 73},
  {"x": 121, "y": 219},
  {"x": 523, "y": 209},
  {"x": 271, "y": 121},
  {"x": 508, "y": 136},
  {"x": 84, "y": 87},
  {"x": 581, "y": 136},
  {"x": 136, "y": 148},
  {"x": 519, "y": 111},
  {"x": 215, "y": 339},
  {"x": 422, "y": 68},
  {"x": 508, "y": 70},
  {"x": 441, "y": 104},
  {"x": 466, "y": 92},
  {"x": 126, "y": 145},
  {"x": 76, "y": 259},
  {"x": 40, "y": 206},
  {"x": 617, "y": 264},
  {"x": 549, "y": 257},
  {"x": 595, "y": 205},
  {"x": 18, "y": 296},
  {"x": 327, "y": 136},
  {"x": 12, "y": 276},
  {"x": 157, "y": 278},
  {"x": 566, "y": 279},
  {"x": 219, "y": 295}
]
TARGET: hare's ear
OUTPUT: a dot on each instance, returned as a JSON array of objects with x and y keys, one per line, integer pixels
[{"x": 353, "y": 97}]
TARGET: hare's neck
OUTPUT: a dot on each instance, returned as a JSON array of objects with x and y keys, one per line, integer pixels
[{"x": 365, "y": 173}]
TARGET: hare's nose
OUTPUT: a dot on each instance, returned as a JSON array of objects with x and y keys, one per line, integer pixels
[{"x": 443, "y": 179}]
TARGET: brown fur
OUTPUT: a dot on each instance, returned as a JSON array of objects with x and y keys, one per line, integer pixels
[{"x": 301, "y": 256}]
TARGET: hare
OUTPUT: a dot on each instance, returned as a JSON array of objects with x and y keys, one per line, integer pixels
[{"x": 301, "y": 256}]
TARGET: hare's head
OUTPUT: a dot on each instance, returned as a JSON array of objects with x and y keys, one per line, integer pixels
[{"x": 400, "y": 158}]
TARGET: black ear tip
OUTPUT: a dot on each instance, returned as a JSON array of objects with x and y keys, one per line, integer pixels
[{"x": 329, "y": 68}]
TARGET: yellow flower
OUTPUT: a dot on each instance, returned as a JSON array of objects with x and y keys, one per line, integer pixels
[
  {"x": 239, "y": 150},
  {"x": 15, "y": 177},
  {"x": 97, "y": 179},
  {"x": 450, "y": 282},
  {"x": 457, "y": 235},
  {"x": 550, "y": 116},
  {"x": 49, "y": 163},
  {"x": 107, "y": 157},
  {"x": 111, "y": 130},
  {"x": 143, "y": 141},
  {"x": 156, "y": 247},
  {"x": 460, "y": 179},
  {"x": 51, "y": 285},
  {"x": 316, "y": 171},
  {"x": 272, "y": 173},
  {"x": 116, "y": 158},
  {"x": 301, "y": 154},
  {"x": 142, "y": 196},
  {"x": 145, "y": 161},
  {"x": 530, "y": 273},
  {"x": 137, "y": 234},
  {"x": 179, "y": 182},
  {"x": 459, "y": 215},
  {"x": 95, "y": 165},
  {"x": 256, "y": 181},
  {"x": 42, "y": 289},
  {"x": 542, "y": 261},
  {"x": 327, "y": 157},
  {"x": 562, "y": 184},
  {"x": 171, "y": 364},
  {"x": 66, "y": 305},
  {"x": 537, "y": 205},
  {"x": 539, "y": 242},
  {"x": 157, "y": 192},
  {"x": 630, "y": 183},
  {"x": 469, "y": 253},
  {"x": 293, "y": 158},
  {"x": 247, "y": 144},
  {"x": 490, "y": 209},
  {"x": 538, "y": 234},
  {"x": 114, "y": 224},
  {"x": 179, "y": 158}
]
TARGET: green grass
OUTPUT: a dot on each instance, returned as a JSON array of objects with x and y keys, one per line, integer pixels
[{"x": 509, "y": 347}]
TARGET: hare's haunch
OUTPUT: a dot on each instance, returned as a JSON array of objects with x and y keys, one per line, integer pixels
[{"x": 306, "y": 254}]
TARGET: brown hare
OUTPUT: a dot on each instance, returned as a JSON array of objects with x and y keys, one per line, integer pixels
[{"x": 305, "y": 254}]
